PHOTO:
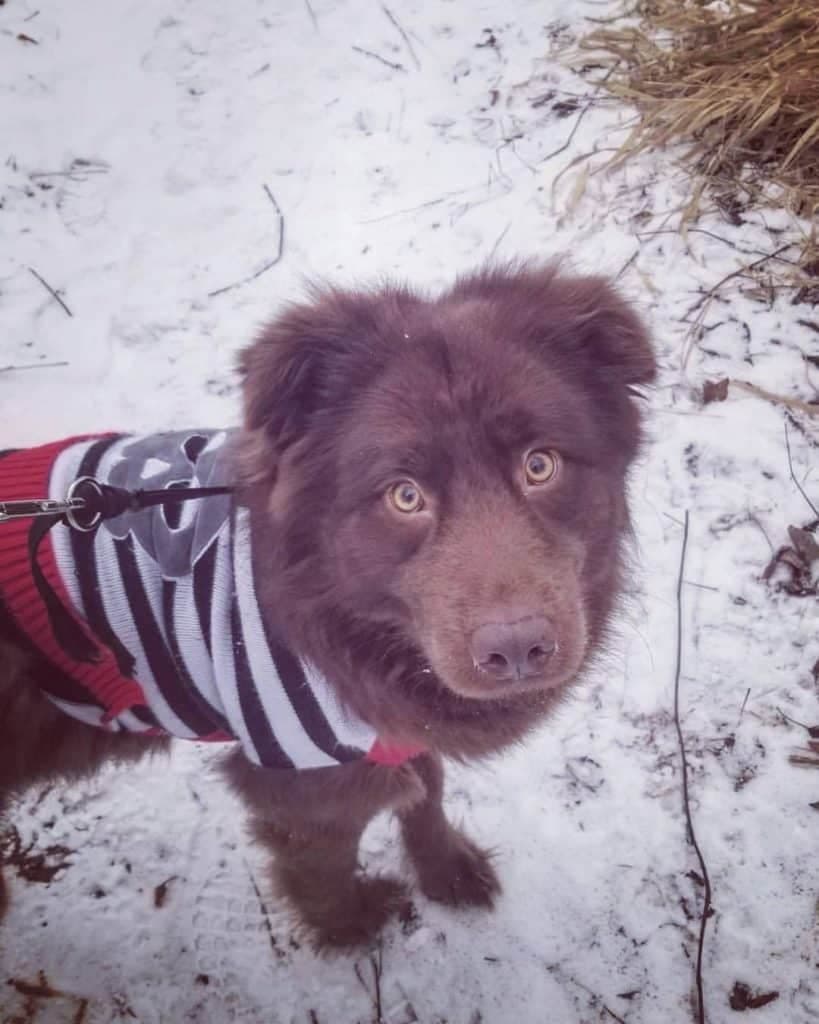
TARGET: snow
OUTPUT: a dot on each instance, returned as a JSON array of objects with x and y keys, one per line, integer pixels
[{"x": 137, "y": 140}]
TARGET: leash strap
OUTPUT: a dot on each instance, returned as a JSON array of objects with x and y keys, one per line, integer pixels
[{"x": 88, "y": 503}]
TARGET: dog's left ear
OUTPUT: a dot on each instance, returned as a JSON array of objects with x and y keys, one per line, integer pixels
[
  {"x": 606, "y": 329},
  {"x": 584, "y": 318}
]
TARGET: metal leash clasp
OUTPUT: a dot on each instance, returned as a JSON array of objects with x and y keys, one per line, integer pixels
[
  {"x": 92, "y": 509},
  {"x": 29, "y": 508},
  {"x": 75, "y": 506}
]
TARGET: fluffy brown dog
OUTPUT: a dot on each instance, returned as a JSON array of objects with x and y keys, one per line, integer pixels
[{"x": 437, "y": 500}]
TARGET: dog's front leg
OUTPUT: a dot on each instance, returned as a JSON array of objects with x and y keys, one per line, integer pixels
[
  {"x": 451, "y": 868},
  {"x": 311, "y": 822}
]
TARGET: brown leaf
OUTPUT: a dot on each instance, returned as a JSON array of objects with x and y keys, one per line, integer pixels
[
  {"x": 742, "y": 998},
  {"x": 805, "y": 543},
  {"x": 762, "y": 999},
  {"x": 161, "y": 892},
  {"x": 715, "y": 391}
]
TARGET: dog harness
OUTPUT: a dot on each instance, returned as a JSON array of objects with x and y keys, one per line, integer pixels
[{"x": 165, "y": 600}]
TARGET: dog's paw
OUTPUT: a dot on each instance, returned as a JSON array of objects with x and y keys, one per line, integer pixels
[
  {"x": 461, "y": 875},
  {"x": 357, "y": 920}
]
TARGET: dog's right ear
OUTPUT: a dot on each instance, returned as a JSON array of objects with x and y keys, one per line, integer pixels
[
  {"x": 300, "y": 364},
  {"x": 283, "y": 374}
]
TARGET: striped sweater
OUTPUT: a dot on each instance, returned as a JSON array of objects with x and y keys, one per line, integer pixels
[{"x": 167, "y": 597}]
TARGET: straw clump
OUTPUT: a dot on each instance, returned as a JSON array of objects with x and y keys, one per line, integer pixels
[{"x": 737, "y": 81}]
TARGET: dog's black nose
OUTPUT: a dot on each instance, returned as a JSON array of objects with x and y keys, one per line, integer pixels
[{"x": 513, "y": 644}]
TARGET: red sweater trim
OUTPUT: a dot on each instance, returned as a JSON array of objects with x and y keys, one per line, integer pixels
[
  {"x": 382, "y": 753},
  {"x": 26, "y": 474}
]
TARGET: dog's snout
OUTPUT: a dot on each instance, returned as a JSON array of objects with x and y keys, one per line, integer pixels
[{"x": 513, "y": 644}]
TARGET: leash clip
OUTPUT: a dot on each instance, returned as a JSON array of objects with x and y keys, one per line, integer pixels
[
  {"x": 90, "y": 510},
  {"x": 35, "y": 508}
]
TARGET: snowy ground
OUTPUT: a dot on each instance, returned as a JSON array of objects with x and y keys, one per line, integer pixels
[{"x": 136, "y": 140}]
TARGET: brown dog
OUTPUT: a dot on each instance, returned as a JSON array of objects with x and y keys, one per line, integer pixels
[{"x": 436, "y": 495}]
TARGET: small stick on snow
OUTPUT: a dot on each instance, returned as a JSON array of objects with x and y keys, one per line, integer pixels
[
  {"x": 378, "y": 57},
  {"x": 594, "y": 96},
  {"x": 265, "y": 913},
  {"x": 747, "y": 695},
  {"x": 377, "y": 965},
  {"x": 804, "y": 760},
  {"x": 31, "y": 366},
  {"x": 628, "y": 263},
  {"x": 404, "y": 36},
  {"x": 642, "y": 235},
  {"x": 799, "y": 486},
  {"x": 734, "y": 273},
  {"x": 771, "y": 396},
  {"x": 498, "y": 241},
  {"x": 792, "y": 721},
  {"x": 572, "y": 133},
  {"x": 312, "y": 14},
  {"x": 270, "y": 263},
  {"x": 706, "y": 909},
  {"x": 50, "y": 290}
]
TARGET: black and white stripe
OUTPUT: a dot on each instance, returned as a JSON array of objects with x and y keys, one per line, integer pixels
[{"x": 197, "y": 643}]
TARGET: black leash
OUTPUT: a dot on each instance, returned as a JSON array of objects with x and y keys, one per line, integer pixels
[{"x": 87, "y": 504}]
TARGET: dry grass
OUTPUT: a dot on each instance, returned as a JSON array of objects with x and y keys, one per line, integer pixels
[{"x": 737, "y": 82}]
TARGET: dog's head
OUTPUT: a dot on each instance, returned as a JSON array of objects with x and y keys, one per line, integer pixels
[{"x": 446, "y": 476}]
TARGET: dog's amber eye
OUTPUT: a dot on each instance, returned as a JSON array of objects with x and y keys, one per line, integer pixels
[
  {"x": 540, "y": 467},
  {"x": 406, "y": 497}
]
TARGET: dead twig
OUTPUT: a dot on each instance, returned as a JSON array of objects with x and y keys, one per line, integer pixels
[
  {"x": 377, "y": 965},
  {"x": 627, "y": 264},
  {"x": 684, "y": 230},
  {"x": 792, "y": 403},
  {"x": 383, "y": 60},
  {"x": 404, "y": 36},
  {"x": 54, "y": 294},
  {"x": 799, "y": 486},
  {"x": 689, "y": 823},
  {"x": 268, "y": 927},
  {"x": 31, "y": 366},
  {"x": 792, "y": 721},
  {"x": 312, "y": 14},
  {"x": 745, "y": 701},
  {"x": 804, "y": 760},
  {"x": 572, "y": 133},
  {"x": 594, "y": 96},
  {"x": 706, "y": 296},
  {"x": 270, "y": 263},
  {"x": 498, "y": 241}
]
